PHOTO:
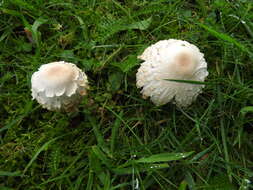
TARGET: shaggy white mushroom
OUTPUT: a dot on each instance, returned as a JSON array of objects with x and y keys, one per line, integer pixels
[
  {"x": 59, "y": 86},
  {"x": 171, "y": 59}
]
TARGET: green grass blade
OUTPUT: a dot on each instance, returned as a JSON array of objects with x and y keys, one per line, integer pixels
[
  {"x": 224, "y": 136},
  {"x": 140, "y": 25},
  {"x": 10, "y": 174},
  {"x": 98, "y": 134},
  {"x": 78, "y": 182},
  {"x": 40, "y": 150},
  {"x": 100, "y": 155},
  {"x": 225, "y": 37},
  {"x": 90, "y": 180},
  {"x": 140, "y": 168},
  {"x": 50, "y": 180},
  {"x": 164, "y": 157},
  {"x": 183, "y": 185},
  {"x": 190, "y": 82},
  {"x": 247, "y": 109},
  {"x": 118, "y": 116},
  {"x": 202, "y": 153},
  {"x": 11, "y": 12},
  {"x": 115, "y": 128},
  {"x": 190, "y": 181}
]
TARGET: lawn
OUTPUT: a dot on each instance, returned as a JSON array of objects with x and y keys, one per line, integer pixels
[{"x": 118, "y": 140}]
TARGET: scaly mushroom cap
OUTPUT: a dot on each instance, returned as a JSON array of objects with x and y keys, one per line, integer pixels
[
  {"x": 59, "y": 85},
  {"x": 171, "y": 59}
]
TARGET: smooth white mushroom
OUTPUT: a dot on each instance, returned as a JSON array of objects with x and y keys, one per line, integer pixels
[
  {"x": 59, "y": 86},
  {"x": 171, "y": 59}
]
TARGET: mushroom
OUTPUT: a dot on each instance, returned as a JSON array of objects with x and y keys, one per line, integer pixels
[
  {"x": 176, "y": 60},
  {"x": 59, "y": 86}
]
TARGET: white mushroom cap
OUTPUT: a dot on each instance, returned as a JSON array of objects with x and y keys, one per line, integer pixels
[
  {"x": 59, "y": 85},
  {"x": 171, "y": 59}
]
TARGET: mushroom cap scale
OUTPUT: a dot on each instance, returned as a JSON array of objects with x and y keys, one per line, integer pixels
[{"x": 171, "y": 59}]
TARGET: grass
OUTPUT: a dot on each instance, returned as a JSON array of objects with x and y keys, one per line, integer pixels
[{"x": 118, "y": 140}]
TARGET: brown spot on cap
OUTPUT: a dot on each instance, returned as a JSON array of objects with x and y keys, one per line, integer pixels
[
  {"x": 185, "y": 64},
  {"x": 60, "y": 73},
  {"x": 184, "y": 59}
]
